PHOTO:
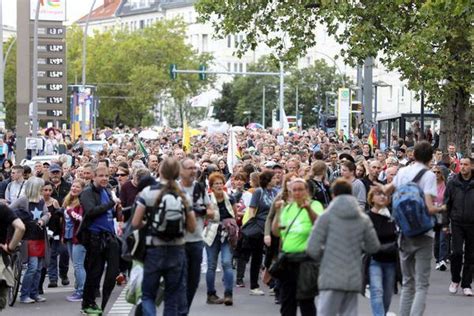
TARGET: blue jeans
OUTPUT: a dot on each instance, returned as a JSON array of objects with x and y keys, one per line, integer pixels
[
  {"x": 78, "y": 258},
  {"x": 168, "y": 262},
  {"x": 226, "y": 257},
  {"x": 440, "y": 245},
  {"x": 30, "y": 283},
  {"x": 193, "y": 260},
  {"x": 382, "y": 283},
  {"x": 58, "y": 249}
]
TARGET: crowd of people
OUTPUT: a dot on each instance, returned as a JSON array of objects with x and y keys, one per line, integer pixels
[{"x": 295, "y": 206}]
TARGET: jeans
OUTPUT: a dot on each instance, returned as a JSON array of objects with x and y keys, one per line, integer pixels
[
  {"x": 462, "y": 236},
  {"x": 168, "y": 262},
  {"x": 29, "y": 285},
  {"x": 415, "y": 261},
  {"x": 193, "y": 261},
  {"x": 58, "y": 249},
  {"x": 441, "y": 244},
  {"x": 226, "y": 257},
  {"x": 289, "y": 303},
  {"x": 102, "y": 249},
  {"x": 78, "y": 258},
  {"x": 382, "y": 284}
]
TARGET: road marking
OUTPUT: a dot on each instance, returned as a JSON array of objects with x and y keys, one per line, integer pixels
[
  {"x": 66, "y": 289},
  {"x": 121, "y": 307}
]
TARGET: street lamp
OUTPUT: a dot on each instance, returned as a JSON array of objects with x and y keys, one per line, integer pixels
[
  {"x": 247, "y": 113},
  {"x": 377, "y": 84}
]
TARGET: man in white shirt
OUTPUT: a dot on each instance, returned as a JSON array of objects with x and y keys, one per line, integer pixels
[
  {"x": 16, "y": 187},
  {"x": 416, "y": 252}
]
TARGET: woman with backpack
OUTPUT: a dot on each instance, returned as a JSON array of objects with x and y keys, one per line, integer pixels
[
  {"x": 167, "y": 216},
  {"x": 32, "y": 210},
  {"x": 319, "y": 190},
  {"x": 382, "y": 265},
  {"x": 73, "y": 218}
]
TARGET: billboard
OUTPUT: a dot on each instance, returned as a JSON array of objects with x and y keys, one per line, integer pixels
[{"x": 50, "y": 10}]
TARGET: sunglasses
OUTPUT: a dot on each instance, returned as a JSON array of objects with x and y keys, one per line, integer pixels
[{"x": 122, "y": 175}]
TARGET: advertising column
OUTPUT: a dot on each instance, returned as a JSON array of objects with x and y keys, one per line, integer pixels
[{"x": 344, "y": 111}]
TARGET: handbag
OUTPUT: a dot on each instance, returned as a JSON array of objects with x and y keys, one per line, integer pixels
[
  {"x": 277, "y": 268},
  {"x": 307, "y": 283},
  {"x": 253, "y": 228},
  {"x": 36, "y": 248}
]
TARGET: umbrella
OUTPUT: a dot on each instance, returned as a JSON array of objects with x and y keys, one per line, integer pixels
[
  {"x": 149, "y": 134},
  {"x": 255, "y": 126}
]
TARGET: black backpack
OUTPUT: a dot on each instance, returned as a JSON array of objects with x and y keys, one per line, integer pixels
[
  {"x": 199, "y": 192},
  {"x": 167, "y": 219}
]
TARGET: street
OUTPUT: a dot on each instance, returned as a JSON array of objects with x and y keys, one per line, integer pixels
[{"x": 439, "y": 302}]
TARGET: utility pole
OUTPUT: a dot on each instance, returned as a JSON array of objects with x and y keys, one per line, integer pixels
[
  {"x": 263, "y": 107},
  {"x": 34, "y": 85},
  {"x": 282, "y": 94},
  {"x": 2, "y": 67},
  {"x": 297, "y": 109},
  {"x": 367, "y": 104}
]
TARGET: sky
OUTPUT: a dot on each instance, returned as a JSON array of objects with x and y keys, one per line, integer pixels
[{"x": 74, "y": 10}]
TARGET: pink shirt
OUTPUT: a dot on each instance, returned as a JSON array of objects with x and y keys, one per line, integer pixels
[{"x": 441, "y": 187}]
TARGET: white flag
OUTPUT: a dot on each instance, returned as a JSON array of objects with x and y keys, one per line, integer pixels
[{"x": 232, "y": 151}]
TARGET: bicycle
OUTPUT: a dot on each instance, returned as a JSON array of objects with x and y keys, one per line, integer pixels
[{"x": 16, "y": 266}]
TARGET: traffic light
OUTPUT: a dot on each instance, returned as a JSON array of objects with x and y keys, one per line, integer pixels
[
  {"x": 202, "y": 74},
  {"x": 173, "y": 74}
]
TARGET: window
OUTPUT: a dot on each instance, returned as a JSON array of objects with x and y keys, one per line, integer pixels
[
  {"x": 142, "y": 24},
  {"x": 236, "y": 67},
  {"x": 204, "y": 42},
  {"x": 190, "y": 16},
  {"x": 241, "y": 67},
  {"x": 236, "y": 41},
  {"x": 229, "y": 41}
]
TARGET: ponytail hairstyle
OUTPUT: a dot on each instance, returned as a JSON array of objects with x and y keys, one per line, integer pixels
[{"x": 169, "y": 171}]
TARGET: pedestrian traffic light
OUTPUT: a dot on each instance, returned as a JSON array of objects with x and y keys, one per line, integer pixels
[
  {"x": 202, "y": 73},
  {"x": 173, "y": 74}
]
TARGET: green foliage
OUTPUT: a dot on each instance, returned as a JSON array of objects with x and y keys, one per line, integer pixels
[
  {"x": 242, "y": 99},
  {"x": 131, "y": 69},
  {"x": 10, "y": 84},
  {"x": 428, "y": 42}
]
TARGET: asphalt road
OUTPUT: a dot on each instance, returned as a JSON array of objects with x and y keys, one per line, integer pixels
[{"x": 439, "y": 302}]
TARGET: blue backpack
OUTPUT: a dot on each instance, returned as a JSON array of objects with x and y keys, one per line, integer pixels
[{"x": 409, "y": 208}]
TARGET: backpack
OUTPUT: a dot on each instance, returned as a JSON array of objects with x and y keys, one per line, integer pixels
[
  {"x": 409, "y": 208},
  {"x": 167, "y": 219},
  {"x": 199, "y": 192}
]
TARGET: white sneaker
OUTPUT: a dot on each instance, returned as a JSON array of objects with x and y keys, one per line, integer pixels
[
  {"x": 467, "y": 291},
  {"x": 391, "y": 314},
  {"x": 257, "y": 292},
  {"x": 438, "y": 265},
  {"x": 27, "y": 300},
  {"x": 442, "y": 266},
  {"x": 40, "y": 299},
  {"x": 453, "y": 288}
]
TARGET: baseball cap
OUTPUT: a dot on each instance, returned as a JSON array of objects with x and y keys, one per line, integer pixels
[{"x": 54, "y": 168}]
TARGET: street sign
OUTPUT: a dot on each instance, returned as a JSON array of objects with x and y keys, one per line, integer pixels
[
  {"x": 344, "y": 108},
  {"x": 52, "y": 71}
]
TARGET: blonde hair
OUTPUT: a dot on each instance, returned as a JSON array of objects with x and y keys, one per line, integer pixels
[
  {"x": 34, "y": 189},
  {"x": 70, "y": 200}
]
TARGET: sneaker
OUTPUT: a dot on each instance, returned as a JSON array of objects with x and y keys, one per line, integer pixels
[
  {"x": 52, "y": 284},
  {"x": 257, "y": 292},
  {"x": 438, "y": 265},
  {"x": 239, "y": 283},
  {"x": 271, "y": 292},
  {"x": 27, "y": 300},
  {"x": 467, "y": 291},
  {"x": 91, "y": 310},
  {"x": 228, "y": 301},
  {"x": 65, "y": 281},
  {"x": 453, "y": 288},
  {"x": 76, "y": 297},
  {"x": 40, "y": 299},
  {"x": 213, "y": 299},
  {"x": 443, "y": 266}
]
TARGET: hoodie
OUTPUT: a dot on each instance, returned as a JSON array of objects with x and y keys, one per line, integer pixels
[{"x": 341, "y": 234}]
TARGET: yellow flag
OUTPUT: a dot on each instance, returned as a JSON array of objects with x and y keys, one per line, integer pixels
[{"x": 186, "y": 137}]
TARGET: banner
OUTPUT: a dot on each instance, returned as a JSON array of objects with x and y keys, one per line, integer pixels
[
  {"x": 344, "y": 111},
  {"x": 50, "y": 10}
]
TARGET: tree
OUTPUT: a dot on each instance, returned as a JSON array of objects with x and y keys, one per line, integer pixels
[
  {"x": 243, "y": 97},
  {"x": 10, "y": 84},
  {"x": 428, "y": 42}
]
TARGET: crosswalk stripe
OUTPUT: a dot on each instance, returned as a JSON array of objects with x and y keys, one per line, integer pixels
[{"x": 121, "y": 306}]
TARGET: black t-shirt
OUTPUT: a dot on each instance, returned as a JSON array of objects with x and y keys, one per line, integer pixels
[
  {"x": 6, "y": 219},
  {"x": 387, "y": 234},
  {"x": 223, "y": 212}
]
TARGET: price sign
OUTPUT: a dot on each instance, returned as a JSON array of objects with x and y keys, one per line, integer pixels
[
  {"x": 55, "y": 61},
  {"x": 55, "y": 74},
  {"x": 54, "y": 112},
  {"x": 54, "y": 100},
  {"x": 55, "y": 31},
  {"x": 55, "y": 87},
  {"x": 55, "y": 48}
]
